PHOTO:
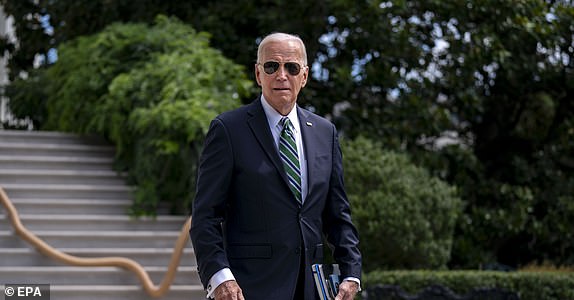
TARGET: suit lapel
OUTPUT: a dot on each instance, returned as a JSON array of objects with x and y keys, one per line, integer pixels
[{"x": 260, "y": 127}]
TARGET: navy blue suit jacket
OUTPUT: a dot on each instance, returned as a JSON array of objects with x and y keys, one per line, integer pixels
[{"x": 246, "y": 218}]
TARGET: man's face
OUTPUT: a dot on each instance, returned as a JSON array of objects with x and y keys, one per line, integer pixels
[{"x": 281, "y": 88}]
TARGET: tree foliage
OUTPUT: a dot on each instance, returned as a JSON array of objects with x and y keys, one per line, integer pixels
[
  {"x": 479, "y": 92},
  {"x": 405, "y": 217},
  {"x": 491, "y": 78},
  {"x": 152, "y": 91},
  {"x": 235, "y": 26}
]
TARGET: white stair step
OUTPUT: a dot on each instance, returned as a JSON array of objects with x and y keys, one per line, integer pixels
[
  {"x": 22, "y": 162},
  {"x": 123, "y": 292},
  {"x": 33, "y": 148},
  {"x": 67, "y": 193},
  {"x": 91, "y": 275},
  {"x": 48, "y": 137},
  {"x": 76, "y": 191},
  {"x": 95, "y": 222},
  {"x": 99, "y": 239},
  {"x": 145, "y": 256},
  {"x": 104, "y": 177},
  {"x": 72, "y": 206}
]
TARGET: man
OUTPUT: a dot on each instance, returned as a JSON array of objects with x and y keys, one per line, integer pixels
[{"x": 269, "y": 189}]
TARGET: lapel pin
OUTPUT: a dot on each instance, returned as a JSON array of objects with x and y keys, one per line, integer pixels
[{"x": 309, "y": 124}]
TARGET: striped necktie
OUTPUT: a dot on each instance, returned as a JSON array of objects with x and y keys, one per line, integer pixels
[{"x": 290, "y": 158}]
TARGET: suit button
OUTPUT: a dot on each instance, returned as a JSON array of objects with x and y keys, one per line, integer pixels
[{"x": 297, "y": 251}]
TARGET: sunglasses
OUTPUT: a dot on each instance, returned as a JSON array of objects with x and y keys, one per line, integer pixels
[{"x": 292, "y": 68}]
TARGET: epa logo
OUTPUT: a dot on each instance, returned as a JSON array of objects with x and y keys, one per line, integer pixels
[{"x": 27, "y": 291}]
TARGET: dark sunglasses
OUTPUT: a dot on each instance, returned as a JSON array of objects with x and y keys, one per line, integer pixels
[{"x": 292, "y": 68}]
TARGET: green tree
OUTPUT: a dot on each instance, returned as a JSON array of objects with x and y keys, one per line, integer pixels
[
  {"x": 42, "y": 25},
  {"x": 493, "y": 78},
  {"x": 235, "y": 26},
  {"x": 152, "y": 91},
  {"x": 497, "y": 75}
]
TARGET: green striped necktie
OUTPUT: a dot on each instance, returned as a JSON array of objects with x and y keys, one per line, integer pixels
[{"x": 290, "y": 158}]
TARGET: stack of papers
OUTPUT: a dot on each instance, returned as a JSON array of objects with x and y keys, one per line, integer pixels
[{"x": 326, "y": 280}]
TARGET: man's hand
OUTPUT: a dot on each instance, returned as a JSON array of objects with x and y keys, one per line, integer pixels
[
  {"x": 347, "y": 290},
  {"x": 228, "y": 290}
]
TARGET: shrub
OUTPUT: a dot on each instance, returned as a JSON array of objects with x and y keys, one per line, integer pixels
[
  {"x": 404, "y": 216},
  {"x": 529, "y": 285},
  {"x": 151, "y": 90}
]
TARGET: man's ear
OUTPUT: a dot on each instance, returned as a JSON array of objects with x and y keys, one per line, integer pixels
[
  {"x": 257, "y": 75},
  {"x": 305, "y": 76}
]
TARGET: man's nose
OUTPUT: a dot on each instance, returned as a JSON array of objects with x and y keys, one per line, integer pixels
[{"x": 282, "y": 72}]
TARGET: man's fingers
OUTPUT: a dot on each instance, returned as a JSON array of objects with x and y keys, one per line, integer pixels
[
  {"x": 347, "y": 290},
  {"x": 228, "y": 290}
]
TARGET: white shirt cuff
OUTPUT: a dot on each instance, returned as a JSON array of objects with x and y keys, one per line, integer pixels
[
  {"x": 357, "y": 280},
  {"x": 217, "y": 279}
]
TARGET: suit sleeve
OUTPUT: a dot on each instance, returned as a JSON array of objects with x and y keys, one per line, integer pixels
[
  {"x": 213, "y": 181},
  {"x": 338, "y": 226}
]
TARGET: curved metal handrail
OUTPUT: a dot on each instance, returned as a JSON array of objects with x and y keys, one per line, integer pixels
[{"x": 122, "y": 262}]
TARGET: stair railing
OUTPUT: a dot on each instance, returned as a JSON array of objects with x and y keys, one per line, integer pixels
[{"x": 121, "y": 262}]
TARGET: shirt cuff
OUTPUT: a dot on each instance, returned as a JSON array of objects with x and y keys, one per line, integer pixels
[
  {"x": 357, "y": 280},
  {"x": 217, "y": 279}
]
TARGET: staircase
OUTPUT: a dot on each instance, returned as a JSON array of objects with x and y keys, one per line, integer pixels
[{"x": 66, "y": 193}]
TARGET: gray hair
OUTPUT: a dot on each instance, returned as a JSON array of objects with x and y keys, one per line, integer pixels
[{"x": 277, "y": 37}]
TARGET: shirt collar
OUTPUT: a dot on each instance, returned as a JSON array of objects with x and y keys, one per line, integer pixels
[{"x": 274, "y": 118}]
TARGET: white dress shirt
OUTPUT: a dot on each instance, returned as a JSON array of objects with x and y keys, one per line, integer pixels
[{"x": 274, "y": 119}]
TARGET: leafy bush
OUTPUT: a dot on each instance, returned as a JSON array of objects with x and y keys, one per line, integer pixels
[
  {"x": 28, "y": 97},
  {"x": 529, "y": 285},
  {"x": 404, "y": 216},
  {"x": 152, "y": 91},
  {"x": 527, "y": 219}
]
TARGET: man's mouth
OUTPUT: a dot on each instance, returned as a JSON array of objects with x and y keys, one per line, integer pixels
[{"x": 281, "y": 89}]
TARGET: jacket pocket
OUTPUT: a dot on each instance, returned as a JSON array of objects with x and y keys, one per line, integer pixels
[{"x": 249, "y": 251}]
